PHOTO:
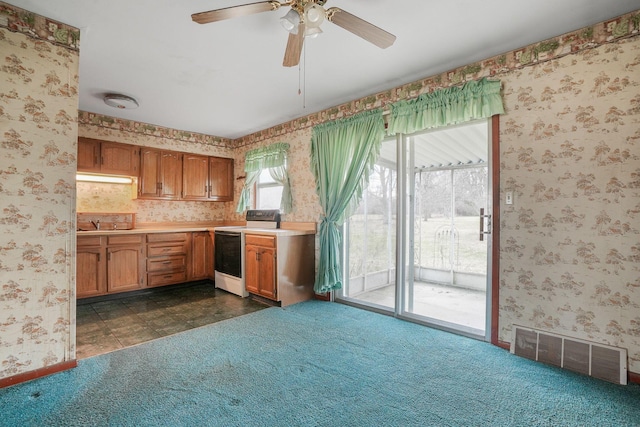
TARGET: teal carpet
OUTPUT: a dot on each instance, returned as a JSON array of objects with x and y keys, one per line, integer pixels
[{"x": 316, "y": 364}]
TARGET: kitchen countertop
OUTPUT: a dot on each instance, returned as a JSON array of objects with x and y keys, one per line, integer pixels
[
  {"x": 277, "y": 231},
  {"x": 142, "y": 231},
  {"x": 185, "y": 229}
]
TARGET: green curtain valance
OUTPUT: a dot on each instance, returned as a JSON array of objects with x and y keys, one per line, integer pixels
[
  {"x": 268, "y": 157},
  {"x": 475, "y": 100}
]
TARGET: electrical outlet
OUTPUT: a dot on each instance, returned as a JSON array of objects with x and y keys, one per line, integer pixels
[{"x": 509, "y": 197}]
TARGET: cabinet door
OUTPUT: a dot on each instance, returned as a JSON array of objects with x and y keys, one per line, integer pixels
[
  {"x": 119, "y": 159},
  {"x": 124, "y": 268},
  {"x": 201, "y": 256},
  {"x": 195, "y": 177},
  {"x": 171, "y": 175},
  {"x": 88, "y": 155},
  {"x": 149, "y": 182},
  {"x": 267, "y": 273},
  {"x": 90, "y": 272},
  {"x": 220, "y": 179},
  {"x": 259, "y": 270},
  {"x": 252, "y": 269}
]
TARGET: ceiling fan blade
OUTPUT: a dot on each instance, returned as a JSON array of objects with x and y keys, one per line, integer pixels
[
  {"x": 360, "y": 27},
  {"x": 294, "y": 48},
  {"x": 235, "y": 11}
]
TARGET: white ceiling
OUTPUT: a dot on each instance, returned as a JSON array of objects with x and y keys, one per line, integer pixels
[{"x": 226, "y": 78}]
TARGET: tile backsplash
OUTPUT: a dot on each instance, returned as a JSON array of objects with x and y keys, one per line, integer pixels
[
  {"x": 88, "y": 221},
  {"x": 114, "y": 198}
]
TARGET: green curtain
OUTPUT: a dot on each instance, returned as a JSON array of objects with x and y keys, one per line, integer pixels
[
  {"x": 343, "y": 154},
  {"x": 245, "y": 196},
  {"x": 280, "y": 175},
  {"x": 271, "y": 157},
  {"x": 475, "y": 100}
]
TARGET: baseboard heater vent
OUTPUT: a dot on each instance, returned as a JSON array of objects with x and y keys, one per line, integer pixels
[{"x": 597, "y": 360}]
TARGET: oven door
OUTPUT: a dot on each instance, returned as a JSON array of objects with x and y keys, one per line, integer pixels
[{"x": 228, "y": 252}]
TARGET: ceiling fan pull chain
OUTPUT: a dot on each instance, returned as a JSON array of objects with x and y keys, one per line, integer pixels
[
  {"x": 304, "y": 77},
  {"x": 299, "y": 79}
]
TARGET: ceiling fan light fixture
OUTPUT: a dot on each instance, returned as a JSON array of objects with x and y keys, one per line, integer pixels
[
  {"x": 312, "y": 32},
  {"x": 314, "y": 15},
  {"x": 290, "y": 21},
  {"x": 120, "y": 101}
]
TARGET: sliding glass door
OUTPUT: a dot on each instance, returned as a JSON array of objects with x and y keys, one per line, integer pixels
[
  {"x": 371, "y": 237},
  {"x": 433, "y": 230}
]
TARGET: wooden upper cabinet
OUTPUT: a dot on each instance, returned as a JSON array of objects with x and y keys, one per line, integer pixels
[
  {"x": 107, "y": 157},
  {"x": 195, "y": 177},
  {"x": 149, "y": 173},
  {"x": 88, "y": 155},
  {"x": 171, "y": 175},
  {"x": 207, "y": 178},
  {"x": 160, "y": 174},
  {"x": 220, "y": 179},
  {"x": 119, "y": 159},
  {"x": 163, "y": 175}
]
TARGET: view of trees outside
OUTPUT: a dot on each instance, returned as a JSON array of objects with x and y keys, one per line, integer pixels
[
  {"x": 447, "y": 220},
  {"x": 444, "y": 238},
  {"x": 446, "y": 225},
  {"x": 372, "y": 228}
]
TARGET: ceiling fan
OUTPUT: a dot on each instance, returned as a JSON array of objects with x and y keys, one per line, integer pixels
[{"x": 303, "y": 20}]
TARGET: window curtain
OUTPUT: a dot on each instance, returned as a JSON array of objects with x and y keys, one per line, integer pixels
[
  {"x": 280, "y": 175},
  {"x": 475, "y": 100},
  {"x": 274, "y": 158},
  {"x": 343, "y": 154}
]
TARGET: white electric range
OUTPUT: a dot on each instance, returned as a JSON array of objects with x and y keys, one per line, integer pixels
[{"x": 229, "y": 249}]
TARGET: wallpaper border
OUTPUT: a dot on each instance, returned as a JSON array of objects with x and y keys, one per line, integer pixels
[
  {"x": 624, "y": 26},
  {"x": 123, "y": 125},
  {"x": 36, "y": 26}
]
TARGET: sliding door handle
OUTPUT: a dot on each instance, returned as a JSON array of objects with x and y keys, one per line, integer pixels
[{"x": 482, "y": 217}]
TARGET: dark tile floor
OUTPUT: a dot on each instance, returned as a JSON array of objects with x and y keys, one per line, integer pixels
[{"x": 105, "y": 324}]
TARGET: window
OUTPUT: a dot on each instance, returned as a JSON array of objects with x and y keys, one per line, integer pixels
[
  {"x": 267, "y": 180},
  {"x": 268, "y": 191}
]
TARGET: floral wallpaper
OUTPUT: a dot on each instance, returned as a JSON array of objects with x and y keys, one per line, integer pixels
[
  {"x": 38, "y": 134},
  {"x": 570, "y": 153}
]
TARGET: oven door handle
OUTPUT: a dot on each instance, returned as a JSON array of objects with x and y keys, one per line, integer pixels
[{"x": 227, "y": 233}]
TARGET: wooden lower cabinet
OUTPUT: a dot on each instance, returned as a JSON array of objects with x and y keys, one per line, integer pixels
[
  {"x": 280, "y": 266},
  {"x": 167, "y": 258},
  {"x": 115, "y": 263},
  {"x": 91, "y": 265},
  {"x": 109, "y": 264},
  {"x": 260, "y": 266},
  {"x": 125, "y": 268},
  {"x": 200, "y": 256}
]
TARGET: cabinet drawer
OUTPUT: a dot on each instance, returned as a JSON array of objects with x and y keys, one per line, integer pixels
[
  {"x": 254, "y": 239},
  {"x": 89, "y": 241},
  {"x": 166, "y": 237},
  {"x": 166, "y": 278},
  {"x": 124, "y": 239},
  {"x": 168, "y": 263},
  {"x": 153, "y": 251}
]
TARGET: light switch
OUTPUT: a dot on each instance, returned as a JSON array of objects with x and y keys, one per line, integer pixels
[{"x": 509, "y": 197}]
